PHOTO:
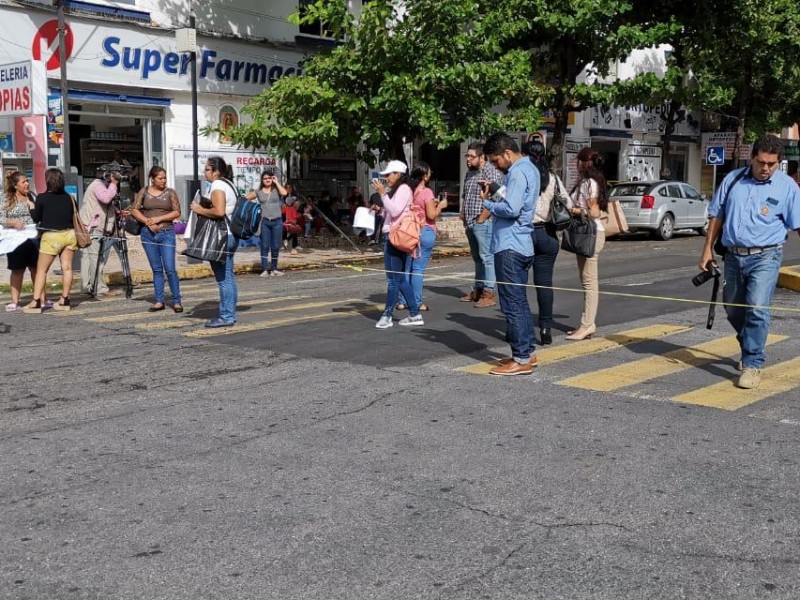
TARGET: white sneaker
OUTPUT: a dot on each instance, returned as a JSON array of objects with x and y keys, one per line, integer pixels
[
  {"x": 409, "y": 321},
  {"x": 276, "y": 273},
  {"x": 264, "y": 274},
  {"x": 385, "y": 322}
]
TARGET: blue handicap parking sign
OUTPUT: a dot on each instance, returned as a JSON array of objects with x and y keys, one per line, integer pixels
[{"x": 715, "y": 155}]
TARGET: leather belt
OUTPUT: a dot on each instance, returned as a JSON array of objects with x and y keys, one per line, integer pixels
[{"x": 748, "y": 251}]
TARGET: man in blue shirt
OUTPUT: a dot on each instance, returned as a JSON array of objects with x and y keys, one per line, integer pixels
[
  {"x": 512, "y": 246},
  {"x": 753, "y": 208}
]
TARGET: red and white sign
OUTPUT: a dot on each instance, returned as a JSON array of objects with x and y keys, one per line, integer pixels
[
  {"x": 23, "y": 89},
  {"x": 47, "y": 36},
  {"x": 29, "y": 137}
]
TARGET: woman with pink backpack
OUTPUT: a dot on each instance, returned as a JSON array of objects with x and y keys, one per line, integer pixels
[
  {"x": 397, "y": 201},
  {"x": 426, "y": 204}
]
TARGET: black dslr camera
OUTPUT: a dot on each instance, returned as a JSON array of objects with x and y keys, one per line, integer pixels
[
  {"x": 121, "y": 172},
  {"x": 703, "y": 276}
]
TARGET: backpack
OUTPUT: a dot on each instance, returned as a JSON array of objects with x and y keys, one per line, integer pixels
[
  {"x": 405, "y": 231},
  {"x": 246, "y": 216}
]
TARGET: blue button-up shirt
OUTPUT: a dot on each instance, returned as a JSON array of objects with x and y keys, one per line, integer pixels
[
  {"x": 756, "y": 213},
  {"x": 513, "y": 216}
]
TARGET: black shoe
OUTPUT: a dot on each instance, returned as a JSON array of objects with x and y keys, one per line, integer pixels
[
  {"x": 546, "y": 336},
  {"x": 156, "y": 308}
]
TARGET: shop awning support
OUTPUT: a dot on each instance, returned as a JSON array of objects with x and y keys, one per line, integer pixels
[{"x": 62, "y": 58}]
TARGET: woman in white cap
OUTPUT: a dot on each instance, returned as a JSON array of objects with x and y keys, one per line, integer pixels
[{"x": 396, "y": 201}]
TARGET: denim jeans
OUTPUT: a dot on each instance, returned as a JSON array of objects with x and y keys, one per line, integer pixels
[
  {"x": 226, "y": 280},
  {"x": 479, "y": 237},
  {"x": 545, "y": 251},
  {"x": 160, "y": 250},
  {"x": 512, "y": 267},
  {"x": 751, "y": 280},
  {"x": 271, "y": 237},
  {"x": 415, "y": 267},
  {"x": 394, "y": 262}
]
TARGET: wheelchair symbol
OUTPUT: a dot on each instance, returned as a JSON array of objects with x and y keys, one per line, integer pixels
[{"x": 715, "y": 155}]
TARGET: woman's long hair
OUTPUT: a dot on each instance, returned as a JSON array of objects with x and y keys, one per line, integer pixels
[
  {"x": 54, "y": 179},
  {"x": 538, "y": 155},
  {"x": 418, "y": 174},
  {"x": 590, "y": 167},
  {"x": 11, "y": 191}
]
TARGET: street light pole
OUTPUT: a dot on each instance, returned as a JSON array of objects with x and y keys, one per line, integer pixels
[
  {"x": 195, "y": 151},
  {"x": 62, "y": 58}
]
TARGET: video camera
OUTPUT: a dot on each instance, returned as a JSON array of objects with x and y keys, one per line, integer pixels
[
  {"x": 122, "y": 172},
  {"x": 703, "y": 276}
]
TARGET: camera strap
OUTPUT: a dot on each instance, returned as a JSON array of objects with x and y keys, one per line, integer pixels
[{"x": 712, "y": 308}]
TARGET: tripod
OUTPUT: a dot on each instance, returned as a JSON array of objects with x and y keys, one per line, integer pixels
[{"x": 115, "y": 236}]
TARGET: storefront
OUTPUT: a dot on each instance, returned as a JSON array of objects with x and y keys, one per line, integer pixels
[{"x": 129, "y": 94}]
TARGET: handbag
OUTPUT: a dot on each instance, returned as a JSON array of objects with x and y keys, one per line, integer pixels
[
  {"x": 209, "y": 240},
  {"x": 580, "y": 236},
  {"x": 132, "y": 226},
  {"x": 82, "y": 237},
  {"x": 560, "y": 215}
]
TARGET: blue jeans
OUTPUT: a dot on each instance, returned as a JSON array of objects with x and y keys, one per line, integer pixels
[
  {"x": 394, "y": 262},
  {"x": 512, "y": 267},
  {"x": 545, "y": 251},
  {"x": 751, "y": 280},
  {"x": 415, "y": 267},
  {"x": 271, "y": 238},
  {"x": 226, "y": 280},
  {"x": 479, "y": 237},
  {"x": 160, "y": 250}
]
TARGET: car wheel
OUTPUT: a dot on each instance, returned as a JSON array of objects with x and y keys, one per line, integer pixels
[
  {"x": 703, "y": 231},
  {"x": 666, "y": 228}
]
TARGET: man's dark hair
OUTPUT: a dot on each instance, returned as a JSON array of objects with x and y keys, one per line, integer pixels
[
  {"x": 499, "y": 143},
  {"x": 477, "y": 146},
  {"x": 768, "y": 144}
]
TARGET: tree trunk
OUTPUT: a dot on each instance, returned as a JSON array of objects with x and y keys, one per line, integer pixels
[
  {"x": 743, "y": 101},
  {"x": 670, "y": 120},
  {"x": 559, "y": 136}
]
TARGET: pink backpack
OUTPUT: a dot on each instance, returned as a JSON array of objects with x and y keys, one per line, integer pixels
[{"x": 404, "y": 232}]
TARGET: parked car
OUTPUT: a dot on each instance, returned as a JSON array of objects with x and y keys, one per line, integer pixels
[{"x": 661, "y": 207}]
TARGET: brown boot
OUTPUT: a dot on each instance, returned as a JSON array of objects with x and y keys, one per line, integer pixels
[
  {"x": 486, "y": 300},
  {"x": 473, "y": 296}
]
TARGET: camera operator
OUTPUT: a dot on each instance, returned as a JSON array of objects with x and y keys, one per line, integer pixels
[{"x": 97, "y": 214}]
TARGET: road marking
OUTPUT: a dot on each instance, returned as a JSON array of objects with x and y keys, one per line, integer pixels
[
  {"x": 274, "y": 323},
  {"x": 168, "y": 312},
  {"x": 572, "y": 350},
  {"x": 653, "y": 367},
  {"x": 777, "y": 379}
]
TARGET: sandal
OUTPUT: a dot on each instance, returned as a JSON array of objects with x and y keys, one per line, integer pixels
[
  {"x": 157, "y": 307},
  {"x": 12, "y": 307},
  {"x": 177, "y": 308},
  {"x": 63, "y": 304},
  {"x": 35, "y": 308},
  {"x": 424, "y": 307}
]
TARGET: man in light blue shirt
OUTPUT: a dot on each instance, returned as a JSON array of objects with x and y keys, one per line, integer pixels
[
  {"x": 752, "y": 210},
  {"x": 512, "y": 246}
]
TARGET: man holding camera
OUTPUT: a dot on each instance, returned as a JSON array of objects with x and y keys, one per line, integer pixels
[
  {"x": 752, "y": 210},
  {"x": 97, "y": 214},
  {"x": 512, "y": 246},
  {"x": 479, "y": 235}
]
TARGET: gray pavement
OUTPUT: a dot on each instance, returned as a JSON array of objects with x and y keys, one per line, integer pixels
[{"x": 314, "y": 457}]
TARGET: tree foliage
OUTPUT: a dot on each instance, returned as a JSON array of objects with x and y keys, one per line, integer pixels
[{"x": 449, "y": 70}]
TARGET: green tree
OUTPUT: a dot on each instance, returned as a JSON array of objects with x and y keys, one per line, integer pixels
[{"x": 431, "y": 71}]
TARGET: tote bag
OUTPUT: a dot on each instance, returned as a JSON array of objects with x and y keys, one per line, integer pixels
[
  {"x": 580, "y": 236},
  {"x": 209, "y": 240}
]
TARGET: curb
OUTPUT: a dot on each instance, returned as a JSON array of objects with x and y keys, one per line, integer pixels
[
  {"x": 203, "y": 270},
  {"x": 789, "y": 278}
]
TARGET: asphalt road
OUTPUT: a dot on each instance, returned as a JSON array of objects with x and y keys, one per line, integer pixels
[{"x": 305, "y": 454}]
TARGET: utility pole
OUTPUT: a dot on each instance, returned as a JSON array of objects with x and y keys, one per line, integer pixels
[{"x": 62, "y": 59}]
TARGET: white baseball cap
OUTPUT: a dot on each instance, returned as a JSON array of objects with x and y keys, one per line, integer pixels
[{"x": 394, "y": 166}]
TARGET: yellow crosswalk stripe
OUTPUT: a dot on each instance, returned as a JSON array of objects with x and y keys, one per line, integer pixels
[
  {"x": 777, "y": 379},
  {"x": 274, "y": 323},
  {"x": 191, "y": 321},
  {"x": 167, "y": 312},
  {"x": 653, "y": 367},
  {"x": 567, "y": 351}
]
